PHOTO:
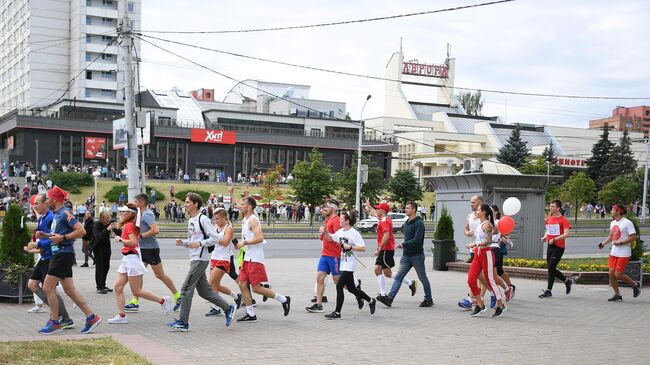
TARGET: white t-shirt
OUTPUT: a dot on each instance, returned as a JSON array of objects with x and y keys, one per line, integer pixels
[
  {"x": 222, "y": 252},
  {"x": 496, "y": 237},
  {"x": 254, "y": 253},
  {"x": 352, "y": 238},
  {"x": 473, "y": 223},
  {"x": 620, "y": 231}
]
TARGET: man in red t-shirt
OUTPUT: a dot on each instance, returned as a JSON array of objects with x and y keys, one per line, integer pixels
[
  {"x": 330, "y": 255},
  {"x": 557, "y": 229}
]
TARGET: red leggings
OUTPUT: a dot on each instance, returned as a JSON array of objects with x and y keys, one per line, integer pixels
[{"x": 483, "y": 261}]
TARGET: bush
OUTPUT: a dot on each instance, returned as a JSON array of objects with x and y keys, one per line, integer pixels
[
  {"x": 113, "y": 195},
  {"x": 204, "y": 194},
  {"x": 71, "y": 181},
  {"x": 639, "y": 248},
  {"x": 14, "y": 237},
  {"x": 445, "y": 227}
]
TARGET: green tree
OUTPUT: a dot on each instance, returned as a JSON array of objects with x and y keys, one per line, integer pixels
[
  {"x": 312, "y": 181},
  {"x": 549, "y": 156},
  {"x": 621, "y": 161},
  {"x": 471, "y": 102},
  {"x": 535, "y": 166},
  {"x": 404, "y": 186},
  {"x": 577, "y": 190},
  {"x": 600, "y": 153},
  {"x": 515, "y": 151},
  {"x": 15, "y": 235},
  {"x": 346, "y": 180},
  {"x": 622, "y": 190},
  {"x": 270, "y": 186}
]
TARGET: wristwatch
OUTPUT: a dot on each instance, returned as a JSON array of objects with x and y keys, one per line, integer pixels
[{"x": 64, "y": 237}]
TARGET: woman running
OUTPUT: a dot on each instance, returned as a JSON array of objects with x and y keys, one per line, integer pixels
[
  {"x": 221, "y": 261},
  {"x": 557, "y": 230},
  {"x": 350, "y": 241},
  {"x": 499, "y": 242},
  {"x": 484, "y": 262},
  {"x": 132, "y": 268}
]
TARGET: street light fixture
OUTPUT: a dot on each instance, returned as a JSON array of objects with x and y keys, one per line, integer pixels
[
  {"x": 96, "y": 175},
  {"x": 357, "y": 202}
]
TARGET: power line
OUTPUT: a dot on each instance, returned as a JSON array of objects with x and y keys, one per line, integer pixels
[{"x": 319, "y": 25}]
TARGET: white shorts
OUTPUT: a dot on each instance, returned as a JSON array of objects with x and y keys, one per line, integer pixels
[{"x": 132, "y": 266}]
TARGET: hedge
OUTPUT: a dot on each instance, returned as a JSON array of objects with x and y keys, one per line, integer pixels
[
  {"x": 71, "y": 181},
  {"x": 204, "y": 194},
  {"x": 113, "y": 195}
]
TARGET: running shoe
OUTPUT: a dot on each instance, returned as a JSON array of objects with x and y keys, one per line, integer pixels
[
  {"x": 287, "y": 306},
  {"x": 385, "y": 300},
  {"x": 478, "y": 310},
  {"x": 108, "y": 290},
  {"x": 508, "y": 294},
  {"x": 177, "y": 305},
  {"x": 66, "y": 324},
  {"x": 568, "y": 283},
  {"x": 132, "y": 307},
  {"x": 426, "y": 303},
  {"x": 213, "y": 312},
  {"x": 372, "y": 305},
  {"x": 636, "y": 289},
  {"x": 493, "y": 301},
  {"x": 36, "y": 309},
  {"x": 615, "y": 298},
  {"x": 333, "y": 315},
  {"x": 167, "y": 305},
  {"x": 313, "y": 300},
  {"x": 230, "y": 315},
  {"x": 512, "y": 294},
  {"x": 247, "y": 318},
  {"x": 499, "y": 311},
  {"x": 546, "y": 294},
  {"x": 238, "y": 301},
  {"x": 268, "y": 286},
  {"x": 50, "y": 328},
  {"x": 360, "y": 302},
  {"x": 102, "y": 291},
  {"x": 92, "y": 322},
  {"x": 119, "y": 320},
  {"x": 413, "y": 287},
  {"x": 84, "y": 265},
  {"x": 465, "y": 304},
  {"x": 315, "y": 308},
  {"x": 178, "y": 325}
]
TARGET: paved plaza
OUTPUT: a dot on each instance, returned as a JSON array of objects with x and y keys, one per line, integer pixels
[{"x": 582, "y": 328}]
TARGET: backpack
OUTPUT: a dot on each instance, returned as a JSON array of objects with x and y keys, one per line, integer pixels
[{"x": 205, "y": 236}]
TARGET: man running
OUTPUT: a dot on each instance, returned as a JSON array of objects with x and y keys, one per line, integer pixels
[
  {"x": 64, "y": 230},
  {"x": 150, "y": 251},
  {"x": 473, "y": 223},
  {"x": 621, "y": 235},
  {"x": 557, "y": 230},
  {"x": 330, "y": 255}
]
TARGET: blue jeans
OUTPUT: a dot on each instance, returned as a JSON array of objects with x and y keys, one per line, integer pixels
[{"x": 405, "y": 265}]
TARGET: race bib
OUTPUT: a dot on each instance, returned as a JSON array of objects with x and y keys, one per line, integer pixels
[{"x": 553, "y": 229}]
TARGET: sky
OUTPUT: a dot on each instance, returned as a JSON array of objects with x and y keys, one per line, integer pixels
[{"x": 576, "y": 47}]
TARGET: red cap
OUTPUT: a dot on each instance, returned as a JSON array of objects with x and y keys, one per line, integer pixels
[
  {"x": 57, "y": 194},
  {"x": 383, "y": 206},
  {"x": 32, "y": 199}
]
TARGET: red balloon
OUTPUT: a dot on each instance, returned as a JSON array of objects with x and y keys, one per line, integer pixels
[{"x": 506, "y": 224}]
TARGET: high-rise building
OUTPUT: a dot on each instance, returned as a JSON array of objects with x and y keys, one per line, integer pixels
[
  {"x": 634, "y": 119},
  {"x": 52, "y": 50}
]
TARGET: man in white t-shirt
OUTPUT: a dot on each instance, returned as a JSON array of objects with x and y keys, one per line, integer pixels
[
  {"x": 621, "y": 234},
  {"x": 473, "y": 223}
]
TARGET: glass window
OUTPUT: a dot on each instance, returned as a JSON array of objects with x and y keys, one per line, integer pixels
[
  {"x": 106, "y": 92},
  {"x": 89, "y": 39},
  {"x": 88, "y": 57},
  {"x": 89, "y": 20},
  {"x": 89, "y": 75},
  {"x": 88, "y": 93},
  {"x": 131, "y": 7},
  {"x": 89, "y": 2}
]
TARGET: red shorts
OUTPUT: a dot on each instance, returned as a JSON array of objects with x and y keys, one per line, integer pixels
[
  {"x": 222, "y": 264},
  {"x": 253, "y": 272},
  {"x": 618, "y": 263}
]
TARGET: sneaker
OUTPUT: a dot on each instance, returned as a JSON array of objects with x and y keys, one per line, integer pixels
[
  {"x": 167, "y": 305},
  {"x": 102, "y": 291},
  {"x": 426, "y": 303},
  {"x": 238, "y": 301},
  {"x": 333, "y": 315},
  {"x": 413, "y": 287},
  {"x": 50, "y": 328},
  {"x": 615, "y": 298},
  {"x": 36, "y": 309},
  {"x": 385, "y": 300},
  {"x": 360, "y": 303},
  {"x": 119, "y": 320},
  {"x": 91, "y": 324},
  {"x": 316, "y": 308},
  {"x": 466, "y": 304},
  {"x": 213, "y": 312},
  {"x": 568, "y": 283},
  {"x": 499, "y": 311},
  {"x": 178, "y": 325},
  {"x": 66, "y": 324},
  {"x": 247, "y": 318},
  {"x": 230, "y": 315},
  {"x": 313, "y": 300},
  {"x": 287, "y": 306},
  {"x": 512, "y": 291},
  {"x": 493, "y": 301},
  {"x": 84, "y": 265},
  {"x": 372, "y": 305},
  {"x": 636, "y": 289},
  {"x": 108, "y": 290},
  {"x": 546, "y": 294},
  {"x": 177, "y": 305},
  {"x": 268, "y": 286},
  {"x": 508, "y": 294},
  {"x": 478, "y": 310},
  {"x": 132, "y": 307}
]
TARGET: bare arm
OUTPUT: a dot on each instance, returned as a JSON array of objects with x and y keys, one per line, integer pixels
[
  {"x": 78, "y": 232},
  {"x": 227, "y": 236},
  {"x": 151, "y": 232},
  {"x": 132, "y": 241}
]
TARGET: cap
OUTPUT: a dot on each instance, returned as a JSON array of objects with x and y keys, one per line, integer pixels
[
  {"x": 125, "y": 208},
  {"x": 32, "y": 199},
  {"x": 383, "y": 206},
  {"x": 57, "y": 194}
]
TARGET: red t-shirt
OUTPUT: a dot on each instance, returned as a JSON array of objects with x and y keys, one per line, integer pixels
[
  {"x": 386, "y": 225},
  {"x": 555, "y": 226},
  {"x": 129, "y": 228},
  {"x": 331, "y": 248}
]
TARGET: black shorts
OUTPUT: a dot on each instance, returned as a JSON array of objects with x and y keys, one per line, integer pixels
[
  {"x": 385, "y": 259},
  {"x": 40, "y": 270},
  {"x": 150, "y": 256},
  {"x": 61, "y": 265},
  {"x": 498, "y": 260}
]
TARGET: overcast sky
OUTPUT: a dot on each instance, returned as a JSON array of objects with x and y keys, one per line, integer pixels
[{"x": 582, "y": 47}]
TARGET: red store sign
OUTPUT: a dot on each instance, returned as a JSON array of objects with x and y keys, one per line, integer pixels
[
  {"x": 213, "y": 136},
  {"x": 421, "y": 69},
  {"x": 572, "y": 162}
]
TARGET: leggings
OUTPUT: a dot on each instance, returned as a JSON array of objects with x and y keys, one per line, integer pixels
[
  {"x": 553, "y": 257},
  {"x": 346, "y": 279},
  {"x": 483, "y": 261}
]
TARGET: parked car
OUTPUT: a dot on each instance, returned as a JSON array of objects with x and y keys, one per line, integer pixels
[{"x": 371, "y": 223}]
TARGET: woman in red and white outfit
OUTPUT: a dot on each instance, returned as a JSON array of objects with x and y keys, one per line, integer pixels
[
  {"x": 484, "y": 262},
  {"x": 132, "y": 268},
  {"x": 221, "y": 260},
  {"x": 621, "y": 235}
]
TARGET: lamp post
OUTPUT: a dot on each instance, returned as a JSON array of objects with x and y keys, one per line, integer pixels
[
  {"x": 357, "y": 202},
  {"x": 96, "y": 174},
  {"x": 418, "y": 164}
]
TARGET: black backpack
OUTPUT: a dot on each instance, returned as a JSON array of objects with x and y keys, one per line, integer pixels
[{"x": 205, "y": 236}]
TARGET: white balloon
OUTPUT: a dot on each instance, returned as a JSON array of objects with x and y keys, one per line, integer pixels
[{"x": 511, "y": 206}]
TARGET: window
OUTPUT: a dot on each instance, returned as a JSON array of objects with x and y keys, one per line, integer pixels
[
  {"x": 131, "y": 7},
  {"x": 88, "y": 57},
  {"x": 315, "y": 132},
  {"x": 106, "y": 56},
  {"x": 108, "y": 21},
  {"x": 89, "y": 2},
  {"x": 89, "y": 39},
  {"x": 107, "y": 2},
  {"x": 89, "y": 75},
  {"x": 106, "y": 92},
  {"x": 89, "y": 20},
  {"x": 107, "y": 74},
  {"x": 164, "y": 121},
  {"x": 107, "y": 38},
  {"x": 88, "y": 93}
]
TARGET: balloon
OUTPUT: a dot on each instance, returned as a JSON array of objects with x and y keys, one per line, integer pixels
[
  {"x": 506, "y": 225},
  {"x": 511, "y": 206}
]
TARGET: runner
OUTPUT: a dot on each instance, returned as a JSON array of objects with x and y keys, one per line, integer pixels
[
  {"x": 132, "y": 268},
  {"x": 621, "y": 235},
  {"x": 201, "y": 236},
  {"x": 385, "y": 251},
  {"x": 43, "y": 245},
  {"x": 470, "y": 228},
  {"x": 557, "y": 230},
  {"x": 350, "y": 240},
  {"x": 484, "y": 262},
  {"x": 497, "y": 240},
  {"x": 330, "y": 255},
  {"x": 222, "y": 260},
  {"x": 253, "y": 270},
  {"x": 66, "y": 229},
  {"x": 150, "y": 251}
]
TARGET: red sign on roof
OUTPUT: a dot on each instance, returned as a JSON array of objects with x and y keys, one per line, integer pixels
[{"x": 213, "y": 136}]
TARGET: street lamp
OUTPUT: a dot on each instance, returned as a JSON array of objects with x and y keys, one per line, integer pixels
[
  {"x": 419, "y": 165},
  {"x": 96, "y": 174},
  {"x": 357, "y": 202}
]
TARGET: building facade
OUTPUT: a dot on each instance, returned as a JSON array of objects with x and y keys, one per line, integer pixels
[{"x": 634, "y": 119}]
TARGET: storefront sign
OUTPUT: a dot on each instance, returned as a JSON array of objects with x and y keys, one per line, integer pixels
[
  {"x": 422, "y": 69},
  {"x": 572, "y": 162},
  {"x": 214, "y": 136},
  {"x": 94, "y": 148}
]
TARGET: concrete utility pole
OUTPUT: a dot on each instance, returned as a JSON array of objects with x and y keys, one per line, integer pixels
[
  {"x": 125, "y": 28},
  {"x": 357, "y": 204},
  {"x": 644, "y": 207}
]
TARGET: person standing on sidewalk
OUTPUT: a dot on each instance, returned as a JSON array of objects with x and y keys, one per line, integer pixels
[
  {"x": 150, "y": 251},
  {"x": 413, "y": 256},
  {"x": 87, "y": 238},
  {"x": 201, "y": 236},
  {"x": 102, "y": 249},
  {"x": 621, "y": 235},
  {"x": 557, "y": 230}
]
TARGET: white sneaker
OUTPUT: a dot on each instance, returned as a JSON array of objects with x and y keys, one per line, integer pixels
[
  {"x": 167, "y": 305},
  {"x": 37, "y": 309},
  {"x": 119, "y": 320}
]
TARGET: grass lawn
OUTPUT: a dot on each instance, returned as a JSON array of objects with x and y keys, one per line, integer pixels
[{"x": 70, "y": 352}]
